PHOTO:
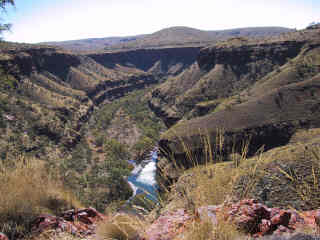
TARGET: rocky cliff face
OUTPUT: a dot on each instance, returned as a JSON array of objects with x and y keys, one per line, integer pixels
[
  {"x": 41, "y": 84},
  {"x": 240, "y": 53},
  {"x": 222, "y": 71},
  {"x": 28, "y": 60},
  {"x": 165, "y": 61}
]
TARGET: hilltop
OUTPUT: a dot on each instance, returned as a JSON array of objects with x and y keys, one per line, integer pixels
[
  {"x": 92, "y": 44},
  {"x": 168, "y": 37}
]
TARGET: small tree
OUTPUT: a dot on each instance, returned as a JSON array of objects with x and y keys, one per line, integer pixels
[{"x": 3, "y": 5}]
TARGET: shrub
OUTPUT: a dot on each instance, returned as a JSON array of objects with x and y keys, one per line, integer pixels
[
  {"x": 116, "y": 149},
  {"x": 99, "y": 141}
]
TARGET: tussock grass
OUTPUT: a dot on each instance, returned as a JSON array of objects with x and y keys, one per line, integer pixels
[
  {"x": 212, "y": 181},
  {"x": 306, "y": 184},
  {"x": 121, "y": 227},
  {"x": 200, "y": 231},
  {"x": 52, "y": 235},
  {"x": 226, "y": 231},
  {"x": 205, "y": 230},
  {"x": 27, "y": 190}
]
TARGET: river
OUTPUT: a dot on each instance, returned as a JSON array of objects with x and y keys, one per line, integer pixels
[{"x": 143, "y": 177}]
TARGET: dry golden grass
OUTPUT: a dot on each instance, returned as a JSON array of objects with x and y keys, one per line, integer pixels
[
  {"x": 225, "y": 231},
  {"x": 121, "y": 227},
  {"x": 200, "y": 231},
  {"x": 306, "y": 184},
  {"x": 27, "y": 190},
  {"x": 205, "y": 230},
  {"x": 211, "y": 181},
  {"x": 56, "y": 87},
  {"x": 215, "y": 183},
  {"x": 52, "y": 235},
  {"x": 47, "y": 96},
  {"x": 291, "y": 172}
]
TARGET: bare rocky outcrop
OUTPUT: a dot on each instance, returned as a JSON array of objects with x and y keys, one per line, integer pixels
[
  {"x": 81, "y": 223},
  {"x": 249, "y": 216},
  {"x": 3, "y": 236},
  {"x": 252, "y": 218}
]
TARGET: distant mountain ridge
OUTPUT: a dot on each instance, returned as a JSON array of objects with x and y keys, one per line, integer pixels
[
  {"x": 173, "y": 36},
  {"x": 91, "y": 44}
]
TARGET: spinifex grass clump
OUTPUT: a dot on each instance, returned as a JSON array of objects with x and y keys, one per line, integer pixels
[
  {"x": 27, "y": 190},
  {"x": 120, "y": 227},
  {"x": 306, "y": 184},
  {"x": 211, "y": 180},
  {"x": 205, "y": 230},
  {"x": 214, "y": 171}
]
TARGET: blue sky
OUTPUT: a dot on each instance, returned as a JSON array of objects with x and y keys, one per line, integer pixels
[{"x": 56, "y": 20}]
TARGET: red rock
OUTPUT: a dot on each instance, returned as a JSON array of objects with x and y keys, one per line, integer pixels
[
  {"x": 264, "y": 226},
  {"x": 168, "y": 226},
  {"x": 281, "y": 230},
  {"x": 283, "y": 218},
  {"x": 252, "y": 217},
  {"x": 295, "y": 219},
  {"x": 68, "y": 215},
  {"x": 261, "y": 211},
  {"x": 84, "y": 218},
  {"x": 92, "y": 213},
  {"x": 247, "y": 210},
  {"x": 274, "y": 211},
  {"x": 3, "y": 236},
  {"x": 82, "y": 222},
  {"x": 249, "y": 202},
  {"x": 258, "y": 220},
  {"x": 43, "y": 222},
  {"x": 247, "y": 223},
  {"x": 317, "y": 218}
]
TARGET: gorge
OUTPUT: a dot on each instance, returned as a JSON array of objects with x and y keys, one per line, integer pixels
[{"x": 81, "y": 116}]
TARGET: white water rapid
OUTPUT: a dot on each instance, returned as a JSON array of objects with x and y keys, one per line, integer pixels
[{"x": 143, "y": 177}]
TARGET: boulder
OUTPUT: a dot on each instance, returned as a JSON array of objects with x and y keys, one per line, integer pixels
[
  {"x": 169, "y": 225},
  {"x": 77, "y": 222},
  {"x": 3, "y": 236},
  {"x": 257, "y": 219},
  {"x": 282, "y": 218}
]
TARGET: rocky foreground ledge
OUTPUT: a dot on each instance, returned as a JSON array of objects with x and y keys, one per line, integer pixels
[
  {"x": 249, "y": 216},
  {"x": 79, "y": 223}
]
